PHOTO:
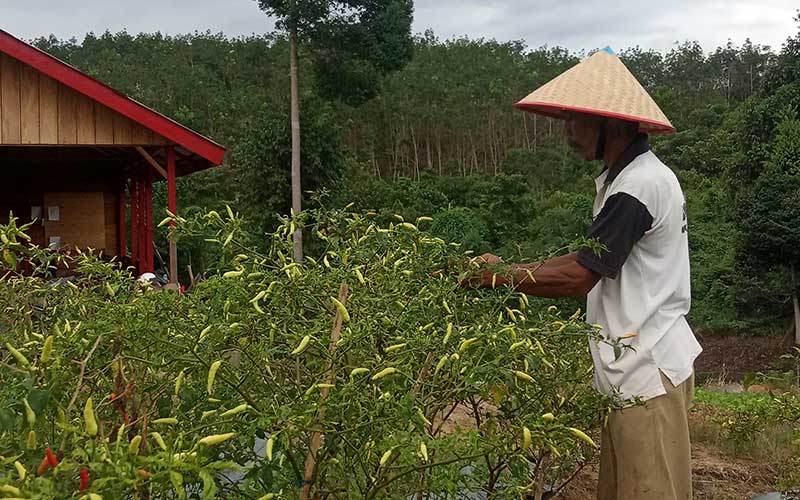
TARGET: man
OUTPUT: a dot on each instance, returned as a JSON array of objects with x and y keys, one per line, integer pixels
[{"x": 638, "y": 284}]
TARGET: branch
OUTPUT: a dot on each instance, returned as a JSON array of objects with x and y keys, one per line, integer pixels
[{"x": 316, "y": 436}]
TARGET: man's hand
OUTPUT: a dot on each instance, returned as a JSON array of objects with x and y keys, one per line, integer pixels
[
  {"x": 488, "y": 259},
  {"x": 484, "y": 277}
]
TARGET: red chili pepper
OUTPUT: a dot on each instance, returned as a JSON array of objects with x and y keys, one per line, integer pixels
[
  {"x": 51, "y": 458},
  {"x": 43, "y": 466},
  {"x": 84, "y": 479}
]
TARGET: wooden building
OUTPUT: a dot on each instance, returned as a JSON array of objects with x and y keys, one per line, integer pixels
[{"x": 80, "y": 158}]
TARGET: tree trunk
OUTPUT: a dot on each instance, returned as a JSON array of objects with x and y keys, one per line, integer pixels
[
  {"x": 296, "y": 186},
  {"x": 428, "y": 148},
  {"x": 527, "y": 137},
  {"x": 796, "y": 304},
  {"x": 416, "y": 152},
  {"x": 439, "y": 151},
  {"x": 796, "y": 319},
  {"x": 377, "y": 165}
]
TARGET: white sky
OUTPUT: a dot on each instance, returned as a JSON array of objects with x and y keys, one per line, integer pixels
[{"x": 575, "y": 24}]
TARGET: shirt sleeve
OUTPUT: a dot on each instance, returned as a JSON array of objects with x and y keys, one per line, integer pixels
[{"x": 621, "y": 223}]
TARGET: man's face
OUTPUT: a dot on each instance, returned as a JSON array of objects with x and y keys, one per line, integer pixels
[{"x": 582, "y": 135}]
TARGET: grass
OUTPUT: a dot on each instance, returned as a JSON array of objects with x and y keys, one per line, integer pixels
[{"x": 750, "y": 426}]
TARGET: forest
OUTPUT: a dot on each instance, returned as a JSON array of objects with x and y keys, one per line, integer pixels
[
  {"x": 441, "y": 138},
  {"x": 367, "y": 369}
]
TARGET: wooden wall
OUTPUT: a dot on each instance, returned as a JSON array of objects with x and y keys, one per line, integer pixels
[
  {"x": 35, "y": 109},
  {"x": 82, "y": 221},
  {"x": 87, "y": 219}
]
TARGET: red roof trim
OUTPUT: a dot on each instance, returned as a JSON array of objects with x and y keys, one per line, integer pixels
[
  {"x": 102, "y": 93},
  {"x": 556, "y": 110}
]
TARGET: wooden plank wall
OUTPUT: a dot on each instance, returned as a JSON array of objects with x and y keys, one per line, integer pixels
[
  {"x": 82, "y": 220},
  {"x": 35, "y": 109}
]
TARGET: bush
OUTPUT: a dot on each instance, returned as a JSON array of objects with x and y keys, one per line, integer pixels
[
  {"x": 462, "y": 226},
  {"x": 165, "y": 395}
]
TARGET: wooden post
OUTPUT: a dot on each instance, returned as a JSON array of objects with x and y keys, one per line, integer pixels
[
  {"x": 134, "y": 222},
  {"x": 123, "y": 241},
  {"x": 148, "y": 220},
  {"x": 172, "y": 204},
  {"x": 142, "y": 218}
]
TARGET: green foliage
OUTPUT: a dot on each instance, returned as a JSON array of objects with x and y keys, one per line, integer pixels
[
  {"x": 262, "y": 161},
  {"x": 743, "y": 417},
  {"x": 767, "y": 212},
  {"x": 356, "y": 42},
  {"x": 206, "y": 81},
  {"x": 445, "y": 120},
  {"x": 460, "y": 225},
  {"x": 246, "y": 356},
  {"x": 551, "y": 167},
  {"x": 785, "y": 155},
  {"x": 787, "y": 67},
  {"x": 769, "y": 225}
]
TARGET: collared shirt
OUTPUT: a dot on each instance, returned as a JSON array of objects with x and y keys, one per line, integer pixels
[{"x": 640, "y": 217}]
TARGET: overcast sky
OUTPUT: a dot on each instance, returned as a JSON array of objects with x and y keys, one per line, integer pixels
[{"x": 575, "y": 24}]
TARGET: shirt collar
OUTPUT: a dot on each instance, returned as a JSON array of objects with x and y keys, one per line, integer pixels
[{"x": 637, "y": 147}]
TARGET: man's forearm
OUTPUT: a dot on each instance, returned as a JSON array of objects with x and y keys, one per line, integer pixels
[{"x": 558, "y": 277}]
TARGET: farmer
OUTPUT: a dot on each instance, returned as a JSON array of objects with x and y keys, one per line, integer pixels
[{"x": 638, "y": 284}]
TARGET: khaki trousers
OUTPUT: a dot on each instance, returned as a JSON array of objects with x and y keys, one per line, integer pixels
[{"x": 645, "y": 452}]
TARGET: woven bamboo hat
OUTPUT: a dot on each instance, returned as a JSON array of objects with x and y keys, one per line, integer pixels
[{"x": 600, "y": 85}]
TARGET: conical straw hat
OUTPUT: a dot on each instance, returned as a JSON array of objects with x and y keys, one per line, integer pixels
[{"x": 600, "y": 85}]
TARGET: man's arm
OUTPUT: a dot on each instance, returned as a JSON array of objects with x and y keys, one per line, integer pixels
[{"x": 560, "y": 276}]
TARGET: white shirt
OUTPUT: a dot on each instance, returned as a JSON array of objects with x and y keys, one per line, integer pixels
[{"x": 640, "y": 210}]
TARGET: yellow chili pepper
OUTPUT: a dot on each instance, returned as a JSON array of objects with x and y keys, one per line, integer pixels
[
  {"x": 270, "y": 446},
  {"x": 21, "y": 359},
  {"x": 341, "y": 309},
  {"x": 21, "y": 472},
  {"x": 133, "y": 447},
  {"x": 30, "y": 415},
  {"x": 235, "y": 411},
  {"x": 384, "y": 372},
  {"x": 385, "y": 457},
  {"x": 11, "y": 490},
  {"x": 212, "y": 373},
  {"x": 47, "y": 350},
  {"x": 216, "y": 438},
  {"x": 179, "y": 382},
  {"x": 582, "y": 436},
  {"x": 302, "y": 346},
  {"x": 166, "y": 421},
  {"x": 159, "y": 440},
  {"x": 523, "y": 376},
  {"x": 89, "y": 418}
]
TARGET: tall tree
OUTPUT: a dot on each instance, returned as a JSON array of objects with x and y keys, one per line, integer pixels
[
  {"x": 786, "y": 69},
  {"x": 357, "y": 42},
  {"x": 768, "y": 221}
]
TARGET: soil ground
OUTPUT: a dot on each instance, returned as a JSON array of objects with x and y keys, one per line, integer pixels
[{"x": 734, "y": 356}]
